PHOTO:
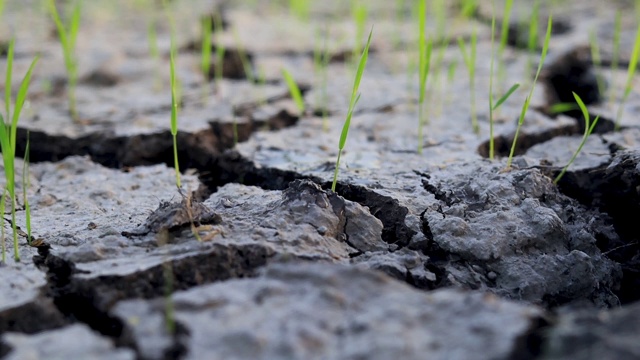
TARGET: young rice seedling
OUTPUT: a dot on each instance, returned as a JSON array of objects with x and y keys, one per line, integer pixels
[
  {"x": 424, "y": 62},
  {"x": 8, "y": 138},
  {"x": 355, "y": 96},
  {"x": 205, "y": 55},
  {"x": 68, "y": 35},
  {"x": 469, "y": 58},
  {"x": 294, "y": 90},
  {"x": 631, "y": 70},
  {"x": 588, "y": 129},
  {"x": 174, "y": 108},
  {"x": 492, "y": 106},
  {"x": 525, "y": 106}
]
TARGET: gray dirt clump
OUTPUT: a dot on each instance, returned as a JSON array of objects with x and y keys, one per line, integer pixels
[
  {"x": 301, "y": 310},
  {"x": 513, "y": 233}
]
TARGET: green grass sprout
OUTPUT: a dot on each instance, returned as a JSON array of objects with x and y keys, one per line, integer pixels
[
  {"x": 504, "y": 37},
  {"x": 468, "y": 8},
  {"x": 631, "y": 70},
  {"x": 615, "y": 56},
  {"x": 244, "y": 58},
  {"x": 399, "y": 15},
  {"x": 588, "y": 129},
  {"x": 493, "y": 35},
  {"x": 3, "y": 201},
  {"x": 469, "y": 58},
  {"x": 451, "y": 71},
  {"x": 563, "y": 107},
  {"x": 174, "y": 107},
  {"x": 504, "y": 97},
  {"x": 300, "y": 8},
  {"x": 494, "y": 106},
  {"x": 294, "y": 90},
  {"x": 424, "y": 62},
  {"x": 597, "y": 60},
  {"x": 68, "y": 34},
  {"x": 8, "y": 137},
  {"x": 205, "y": 54},
  {"x": 533, "y": 28},
  {"x": 532, "y": 40},
  {"x": 355, "y": 96},
  {"x": 504, "y": 30},
  {"x": 359, "y": 13},
  {"x": 321, "y": 66},
  {"x": 25, "y": 187},
  {"x": 525, "y": 106},
  {"x": 220, "y": 50}
]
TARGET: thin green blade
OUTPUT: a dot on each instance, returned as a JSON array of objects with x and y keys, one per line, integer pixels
[{"x": 506, "y": 96}]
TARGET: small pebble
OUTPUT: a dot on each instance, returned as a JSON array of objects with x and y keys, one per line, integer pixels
[{"x": 322, "y": 230}]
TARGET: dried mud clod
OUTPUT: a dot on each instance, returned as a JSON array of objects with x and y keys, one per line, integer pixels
[
  {"x": 515, "y": 235},
  {"x": 351, "y": 223},
  {"x": 175, "y": 216},
  {"x": 615, "y": 190}
]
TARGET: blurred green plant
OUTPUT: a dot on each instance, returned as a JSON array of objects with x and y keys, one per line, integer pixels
[
  {"x": 469, "y": 58},
  {"x": 588, "y": 129},
  {"x": 8, "y": 138},
  {"x": 631, "y": 71},
  {"x": 525, "y": 106},
  {"x": 68, "y": 35},
  {"x": 294, "y": 90},
  {"x": 424, "y": 62},
  {"x": 355, "y": 96}
]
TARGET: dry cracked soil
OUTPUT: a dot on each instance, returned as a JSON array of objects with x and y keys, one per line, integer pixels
[{"x": 447, "y": 254}]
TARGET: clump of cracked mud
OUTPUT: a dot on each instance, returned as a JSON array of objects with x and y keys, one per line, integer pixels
[{"x": 446, "y": 253}]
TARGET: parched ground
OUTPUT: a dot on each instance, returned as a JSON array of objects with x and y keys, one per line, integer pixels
[{"x": 446, "y": 252}]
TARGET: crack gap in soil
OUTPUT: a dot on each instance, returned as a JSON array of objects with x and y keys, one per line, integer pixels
[
  {"x": 531, "y": 344},
  {"x": 90, "y": 299},
  {"x": 233, "y": 168},
  {"x": 502, "y": 143},
  {"x": 195, "y": 150},
  {"x": 385, "y": 208}
]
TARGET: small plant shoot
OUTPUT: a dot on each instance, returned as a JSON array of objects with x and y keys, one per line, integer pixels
[
  {"x": 494, "y": 106},
  {"x": 355, "y": 96},
  {"x": 615, "y": 56},
  {"x": 174, "y": 108},
  {"x": 321, "y": 65},
  {"x": 504, "y": 36},
  {"x": 294, "y": 90},
  {"x": 220, "y": 50},
  {"x": 244, "y": 58},
  {"x": 588, "y": 129},
  {"x": 205, "y": 55},
  {"x": 25, "y": 187},
  {"x": 631, "y": 70},
  {"x": 469, "y": 58},
  {"x": 597, "y": 61},
  {"x": 68, "y": 34},
  {"x": 8, "y": 138},
  {"x": 424, "y": 62},
  {"x": 359, "y": 14},
  {"x": 525, "y": 106}
]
